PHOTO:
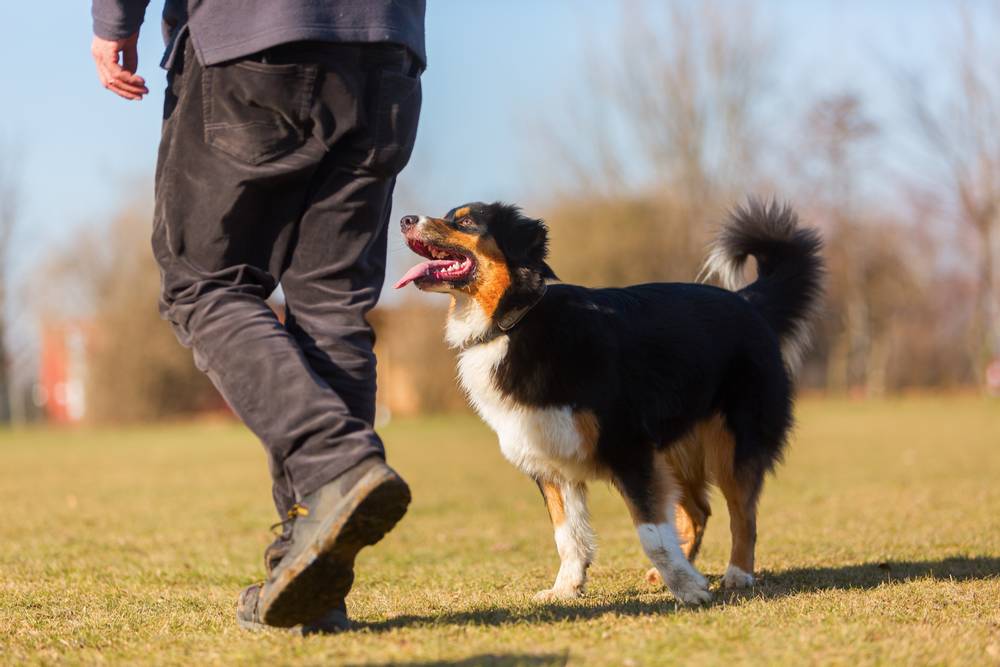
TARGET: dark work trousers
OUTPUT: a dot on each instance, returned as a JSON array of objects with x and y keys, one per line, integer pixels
[{"x": 280, "y": 167}]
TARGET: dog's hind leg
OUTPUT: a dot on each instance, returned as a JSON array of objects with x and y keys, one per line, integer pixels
[
  {"x": 687, "y": 459},
  {"x": 690, "y": 517},
  {"x": 652, "y": 493},
  {"x": 567, "y": 506},
  {"x": 741, "y": 488}
]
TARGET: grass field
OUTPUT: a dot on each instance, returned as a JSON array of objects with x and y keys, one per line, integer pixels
[{"x": 879, "y": 544}]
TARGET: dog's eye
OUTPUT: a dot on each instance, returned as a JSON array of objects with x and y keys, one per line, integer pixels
[{"x": 466, "y": 222}]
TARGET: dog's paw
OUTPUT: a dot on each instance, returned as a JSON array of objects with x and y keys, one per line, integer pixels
[
  {"x": 736, "y": 578},
  {"x": 691, "y": 594},
  {"x": 557, "y": 594},
  {"x": 689, "y": 587},
  {"x": 653, "y": 577}
]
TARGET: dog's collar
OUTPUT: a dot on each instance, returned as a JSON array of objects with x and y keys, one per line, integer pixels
[{"x": 507, "y": 321}]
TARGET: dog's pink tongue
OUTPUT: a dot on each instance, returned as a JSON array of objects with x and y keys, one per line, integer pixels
[{"x": 421, "y": 270}]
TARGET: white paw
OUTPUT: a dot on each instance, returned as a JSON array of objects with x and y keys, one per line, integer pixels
[
  {"x": 688, "y": 586},
  {"x": 557, "y": 594},
  {"x": 736, "y": 578}
]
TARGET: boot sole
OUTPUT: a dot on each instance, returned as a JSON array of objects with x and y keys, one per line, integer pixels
[
  {"x": 321, "y": 576},
  {"x": 333, "y": 623}
]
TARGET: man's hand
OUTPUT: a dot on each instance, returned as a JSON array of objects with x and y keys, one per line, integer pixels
[{"x": 119, "y": 76}]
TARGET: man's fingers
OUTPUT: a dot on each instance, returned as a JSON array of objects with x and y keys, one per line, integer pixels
[
  {"x": 116, "y": 88},
  {"x": 130, "y": 58},
  {"x": 130, "y": 79},
  {"x": 115, "y": 71},
  {"x": 101, "y": 75},
  {"x": 124, "y": 89},
  {"x": 110, "y": 85},
  {"x": 119, "y": 87},
  {"x": 123, "y": 83}
]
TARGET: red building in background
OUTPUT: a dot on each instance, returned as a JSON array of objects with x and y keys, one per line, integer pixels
[{"x": 63, "y": 377}]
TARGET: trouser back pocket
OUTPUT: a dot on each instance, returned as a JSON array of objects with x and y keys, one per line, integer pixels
[{"x": 256, "y": 111}]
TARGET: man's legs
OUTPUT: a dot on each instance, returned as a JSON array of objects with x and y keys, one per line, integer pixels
[
  {"x": 335, "y": 278},
  {"x": 336, "y": 268},
  {"x": 231, "y": 193}
]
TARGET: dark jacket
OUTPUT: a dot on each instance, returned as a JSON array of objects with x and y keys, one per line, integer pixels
[{"x": 221, "y": 30}]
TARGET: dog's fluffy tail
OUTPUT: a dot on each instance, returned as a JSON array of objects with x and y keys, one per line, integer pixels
[{"x": 790, "y": 270}]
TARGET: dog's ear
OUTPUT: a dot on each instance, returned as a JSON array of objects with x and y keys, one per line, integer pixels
[
  {"x": 524, "y": 240},
  {"x": 547, "y": 272}
]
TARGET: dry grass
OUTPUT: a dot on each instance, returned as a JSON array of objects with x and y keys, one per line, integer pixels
[{"x": 879, "y": 543}]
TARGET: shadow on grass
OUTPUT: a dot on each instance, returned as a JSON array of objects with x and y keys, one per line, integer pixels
[
  {"x": 496, "y": 660},
  {"x": 871, "y": 575},
  {"x": 771, "y": 585}
]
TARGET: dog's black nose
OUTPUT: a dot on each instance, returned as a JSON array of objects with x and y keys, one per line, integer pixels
[{"x": 407, "y": 222}]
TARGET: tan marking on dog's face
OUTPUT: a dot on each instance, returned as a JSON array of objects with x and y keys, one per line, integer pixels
[
  {"x": 554, "y": 503},
  {"x": 492, "y": 276}
]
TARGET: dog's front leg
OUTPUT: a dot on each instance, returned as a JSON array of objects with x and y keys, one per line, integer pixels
[{"x": 567, "y": 505}]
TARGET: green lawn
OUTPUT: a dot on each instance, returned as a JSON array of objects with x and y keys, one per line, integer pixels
[{"x": 879, "y": 544}]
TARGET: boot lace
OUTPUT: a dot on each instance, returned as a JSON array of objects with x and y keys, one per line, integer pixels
[{"x": 294, "y": 513}]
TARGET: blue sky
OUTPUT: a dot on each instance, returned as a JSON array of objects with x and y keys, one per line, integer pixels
[{"x": 495, "y": 69}]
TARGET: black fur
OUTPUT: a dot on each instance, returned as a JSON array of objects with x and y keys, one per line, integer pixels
[
  {"x": 524, "y": 241},
  {"x": 790, "y": 271},
  {"x": 652, "y": 360}
]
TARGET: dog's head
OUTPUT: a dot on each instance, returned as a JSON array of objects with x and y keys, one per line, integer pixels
[{"x": 490, "y": 252}]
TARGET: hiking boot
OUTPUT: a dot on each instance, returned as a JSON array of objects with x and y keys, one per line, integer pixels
[
  {"x": 335, "y": 620},
  {"x": 248, "y": 616},
  {"x": 274, "y": 552},
  {"x": 331, "y": 525}
]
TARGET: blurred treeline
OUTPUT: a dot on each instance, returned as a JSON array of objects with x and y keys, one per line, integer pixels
[
  {"x": 135, "y": 368},
  {"x": 639, "y": 168},
  {"x": 661, "y": 141}
]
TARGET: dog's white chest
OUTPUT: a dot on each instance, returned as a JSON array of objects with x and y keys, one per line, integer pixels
[{"x": 540, "y": 441}]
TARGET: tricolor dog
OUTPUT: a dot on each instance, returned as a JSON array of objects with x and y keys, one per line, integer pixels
[{"x": 661, "y": 388}]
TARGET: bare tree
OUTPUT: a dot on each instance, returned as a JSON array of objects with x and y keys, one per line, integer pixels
[
  {"x": 960, "y": 129},
  {"x": 662, "y": 139},
  {"x": 835, "y": 132},
  {"x": 680, "y": 100},
  {"x": 672, "y": 128},
  {"x": 107, "y": 278},
  {"x": 9, "y": 212}
]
